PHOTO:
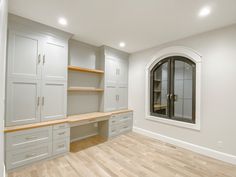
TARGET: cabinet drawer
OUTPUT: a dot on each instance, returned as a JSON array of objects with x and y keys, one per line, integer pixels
[
  {"x": 60, "y": 126},
  {"x": 26, "y": 138},
  {"x": 61, "y": 133},
  {"x": 61, "y": 146},
  {"x": 25, "y": 156},
  {"x": 114, "y": 120},
  {"x": 124, "y": 127},
  {"x": 113, "y": 131}
]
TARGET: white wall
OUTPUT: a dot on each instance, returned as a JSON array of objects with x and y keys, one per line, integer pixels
[
  {"x": 218, "y": 79},
  {"x": 3, "y": 28}
]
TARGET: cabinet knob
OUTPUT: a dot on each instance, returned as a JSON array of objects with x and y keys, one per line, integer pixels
[{"x": 39, "y": 58}]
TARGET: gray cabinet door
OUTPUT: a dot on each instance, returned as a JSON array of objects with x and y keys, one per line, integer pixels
[
  {"x": 55, "y": 60},
  {"x": 24, "y": 55},
  {"x": 111, "y": 97},
  {"x": 122, "y": 72},
  {"x": 54, "y": 100},
  {"x": 23, "y": 102},
  {"x": 122, "y": 102}
]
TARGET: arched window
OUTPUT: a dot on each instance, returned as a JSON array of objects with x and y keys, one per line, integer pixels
[{"x": 173, "y": 88}]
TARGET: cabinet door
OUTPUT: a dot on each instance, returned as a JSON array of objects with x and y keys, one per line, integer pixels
[
  {"x": 122, "y": 72},
  {"x": 110, "y": 102},
  {"x": 110, "y": 72},
  {"x": 122, "y": 98},
  {"x": 53, "y": 100},
  {"x": 55, "y": 61},
  {"x": 24, "y": 55},
  {"x": 23, "y": 106}
]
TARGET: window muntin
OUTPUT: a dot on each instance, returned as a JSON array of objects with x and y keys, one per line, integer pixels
[{"x": 172, "y": 85}]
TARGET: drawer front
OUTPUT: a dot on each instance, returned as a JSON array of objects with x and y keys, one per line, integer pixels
[
  {"x": 25, "y": 156},
  {"x": 61, "y": 146},
  {"x": 61, "y": 133},
  {"x": 26, "y": 138},
  {"x": 114, "y": 131},
  {"x": 114, "y": 120},
  {"x": 126, "y": 117},
  {"x": 125, "y": 127},
  {"x": 60, "y": 126}
]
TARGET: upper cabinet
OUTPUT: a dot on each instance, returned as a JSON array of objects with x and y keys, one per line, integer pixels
[
  {"x": 35, "y": 56},
  {"x": 53, "y": 60},
  {"x": 24, "y": 55},
  {"x": 36, "y": 72}
]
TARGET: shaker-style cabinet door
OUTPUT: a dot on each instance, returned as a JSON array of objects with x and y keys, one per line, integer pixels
[
  {"x": 110, "y": 72},
  {"x": 24, "y": 56},
  {"x": 22, "y": 102},
  {"x": 111, "y": 98},
  {"x": 122, "y": 72},
  {"x": 122, "y": 98},
  {"x": 55, "y": 61},
  {"x": 54, "y": 101}
]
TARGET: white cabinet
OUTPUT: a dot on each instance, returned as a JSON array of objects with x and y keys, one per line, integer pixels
[
  {"x": 23, "y": 101},
  {"x": 116, "y": 84},
  {"x": 54, "y": 63},
  {"x": 53, "y": 100},
  {"x": 122, "y": 72},
  {"x": 37, "y": 73},
  {"x": 122, "y": 100},
  {"x": 24, "y": 55}
]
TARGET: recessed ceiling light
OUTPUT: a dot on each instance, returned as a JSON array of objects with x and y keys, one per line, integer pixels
[
  {"x": 122, "y": 44},
  {"x": 204, "y": 12},
  {"x": 62, "y": 21}
]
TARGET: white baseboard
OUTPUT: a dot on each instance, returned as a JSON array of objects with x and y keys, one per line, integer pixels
[
  {"x": 83, "y": 137},
  {"x": 193, "y": 147}
]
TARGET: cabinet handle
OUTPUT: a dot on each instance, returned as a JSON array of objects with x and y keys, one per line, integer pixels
[
  {"x": 61, "y": 146},
  {"x": 43, "y": 100},
  {"x": 62, "y": 133},
  {"x": 44, "y": 58},
  {"x": 30, "y": 155},
  {"x": 31, "y": 138},
  {"x": 39, "y": 58},
  {"x": 38, "y": 100},
  {"x": 118, "y": 96}
]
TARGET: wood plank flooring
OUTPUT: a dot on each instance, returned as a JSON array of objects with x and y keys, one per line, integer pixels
[{"x": 129, "y": 155}]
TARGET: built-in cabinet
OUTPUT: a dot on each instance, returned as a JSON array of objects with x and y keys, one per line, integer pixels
[
  {"x": 38, "y": 93},
  {"x": 36, "y": 73},
  {"x": 116, "y": 83}
]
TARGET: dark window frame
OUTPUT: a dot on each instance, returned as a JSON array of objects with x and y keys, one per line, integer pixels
[{"x": 170, "y": 89}]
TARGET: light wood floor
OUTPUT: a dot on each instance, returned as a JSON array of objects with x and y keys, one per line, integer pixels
[{"x": 129, "y": 155}]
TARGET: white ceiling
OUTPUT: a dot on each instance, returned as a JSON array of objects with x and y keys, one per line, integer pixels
[{"x": 140, "y": 24}]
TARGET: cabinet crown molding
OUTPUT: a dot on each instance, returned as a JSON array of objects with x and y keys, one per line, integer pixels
[{"x": 21, "y": 23}]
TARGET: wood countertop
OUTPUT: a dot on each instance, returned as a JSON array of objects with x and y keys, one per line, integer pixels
[{"x": 95, "y": 116}]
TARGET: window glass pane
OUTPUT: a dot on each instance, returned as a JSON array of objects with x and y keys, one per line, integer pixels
[
  {"x": 160, "y": 86},
  {"x": 183, "y": 74}
]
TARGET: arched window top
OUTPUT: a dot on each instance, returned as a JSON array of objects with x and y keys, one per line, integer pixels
[{"x": 173, "y": 87}]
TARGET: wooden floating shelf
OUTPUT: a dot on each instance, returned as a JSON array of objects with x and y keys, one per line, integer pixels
[
  {"x": 85, "y": 89},
  {"x": 76, "y": 68}
]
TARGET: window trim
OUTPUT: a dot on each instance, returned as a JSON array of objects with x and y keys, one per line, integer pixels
[{"x": 162, "y": 54}]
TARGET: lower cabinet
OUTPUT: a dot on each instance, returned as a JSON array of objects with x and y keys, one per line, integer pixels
[
  {"x": 120, "y": 123},
  {"x": 27, "y": 146}
]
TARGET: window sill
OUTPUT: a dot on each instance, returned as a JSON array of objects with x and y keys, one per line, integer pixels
[{"x": 195, "y": 126}]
